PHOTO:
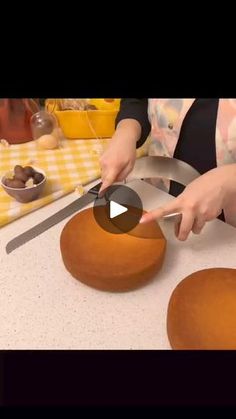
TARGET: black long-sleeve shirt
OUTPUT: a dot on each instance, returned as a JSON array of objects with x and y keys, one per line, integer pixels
[{"x": 136, "y": 109}]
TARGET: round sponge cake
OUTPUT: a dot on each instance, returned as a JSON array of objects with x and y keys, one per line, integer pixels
[
  {"x": 107, "y": 261},
  {"x": 202, "y": 311}
]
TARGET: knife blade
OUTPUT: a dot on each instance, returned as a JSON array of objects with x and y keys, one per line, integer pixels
[
  {"x": 40, "y": 228},
  {"x": 163, "y": 167}
]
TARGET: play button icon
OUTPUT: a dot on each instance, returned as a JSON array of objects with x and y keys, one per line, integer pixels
[
  {"x": 119, "y": 210},
  {"x": 116, "y": 209}
]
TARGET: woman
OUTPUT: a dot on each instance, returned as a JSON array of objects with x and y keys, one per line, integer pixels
[{"x": 201, "y": 132}]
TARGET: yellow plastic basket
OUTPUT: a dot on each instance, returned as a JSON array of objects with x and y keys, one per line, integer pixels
[{"x": 99, "y": 123}]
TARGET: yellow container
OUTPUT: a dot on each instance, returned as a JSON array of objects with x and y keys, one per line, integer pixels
[{"x": 99, "y": 123}]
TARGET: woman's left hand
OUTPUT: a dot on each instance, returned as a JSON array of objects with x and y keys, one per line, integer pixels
[{"x": 202, "y": 200}]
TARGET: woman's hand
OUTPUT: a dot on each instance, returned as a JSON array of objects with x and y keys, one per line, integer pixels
[
  {"x": 202, "y": 200},
  {"x": 119, "y": 158}
]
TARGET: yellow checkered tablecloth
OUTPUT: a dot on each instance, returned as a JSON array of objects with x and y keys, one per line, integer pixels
[{"x": 75, "y": 163}]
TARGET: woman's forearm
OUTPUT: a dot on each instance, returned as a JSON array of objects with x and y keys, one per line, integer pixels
[
  {"x": 128, "y": 130},
  {"x": 136, "y": 110}
]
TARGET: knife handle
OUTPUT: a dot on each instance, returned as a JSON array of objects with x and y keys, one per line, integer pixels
[{"x": 95, "y": 189}]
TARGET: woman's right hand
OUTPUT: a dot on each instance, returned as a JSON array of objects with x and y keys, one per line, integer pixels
[{"x": 118, "y": 159}]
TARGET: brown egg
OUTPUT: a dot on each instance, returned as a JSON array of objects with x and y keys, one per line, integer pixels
[
  {"x": 38, "y": 177},
  {"x": 29, "y": 171},
  {"x": 48, "y": 142},
  {"x": 7, "y": 182},
  {"x": 20, "y": 174},
  {"x": 14, "y": 183}
]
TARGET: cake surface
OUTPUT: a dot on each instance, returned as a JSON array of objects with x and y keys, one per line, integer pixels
[
  {"x": 111, "y": 262},
  {"x": 202, "y": 311}
]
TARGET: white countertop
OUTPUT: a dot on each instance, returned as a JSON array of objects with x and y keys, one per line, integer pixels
[{"x": 43, "y": 307}]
